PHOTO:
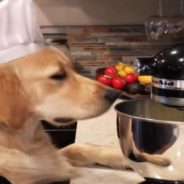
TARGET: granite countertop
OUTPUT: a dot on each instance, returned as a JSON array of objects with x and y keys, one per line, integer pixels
[{"x": 102, "y": 131}]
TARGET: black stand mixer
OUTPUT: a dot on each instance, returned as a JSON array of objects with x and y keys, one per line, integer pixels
[
  {"x": 151, "y": 132},
  {"x": 168, "y": 79}
]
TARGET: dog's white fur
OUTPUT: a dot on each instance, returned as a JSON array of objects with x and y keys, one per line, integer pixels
[{"x": 44, "y": 86}]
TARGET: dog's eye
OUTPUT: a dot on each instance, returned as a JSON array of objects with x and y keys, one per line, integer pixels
[{"x": 58, "y": 76}]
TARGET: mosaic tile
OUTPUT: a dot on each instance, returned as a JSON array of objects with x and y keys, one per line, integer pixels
[{"x": 93, "y": 47}]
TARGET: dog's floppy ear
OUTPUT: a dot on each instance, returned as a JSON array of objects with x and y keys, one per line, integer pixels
[{"x": 13, "y": 102}]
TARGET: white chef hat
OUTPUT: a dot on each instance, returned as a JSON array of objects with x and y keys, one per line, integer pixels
[{"x": 20, "y": 34}]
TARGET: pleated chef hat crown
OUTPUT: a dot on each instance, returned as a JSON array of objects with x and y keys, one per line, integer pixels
[{"x": 20, "y": 34}]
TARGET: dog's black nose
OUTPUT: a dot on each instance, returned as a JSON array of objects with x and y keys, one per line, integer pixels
[{"x": 112, "y": 95}]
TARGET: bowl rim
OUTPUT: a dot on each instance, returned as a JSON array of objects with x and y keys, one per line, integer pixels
[{"x": 149, "y": 119}]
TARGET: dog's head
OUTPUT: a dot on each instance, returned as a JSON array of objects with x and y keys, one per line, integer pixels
[{"x": 50, "y": 87}]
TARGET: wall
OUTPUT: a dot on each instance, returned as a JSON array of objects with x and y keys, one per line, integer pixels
[
  {"x": 93, "y": 46},
  {"x": 99, "y": 12}
]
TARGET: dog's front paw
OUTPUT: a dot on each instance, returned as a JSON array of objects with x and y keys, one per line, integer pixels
[{"x": 160, "y": 160}]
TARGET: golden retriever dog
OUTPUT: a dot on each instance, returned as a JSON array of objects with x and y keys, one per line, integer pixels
[{"x": 44, "y": 86}]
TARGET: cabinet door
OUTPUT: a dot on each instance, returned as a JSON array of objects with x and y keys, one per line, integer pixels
[{"x": 61, "y": 137}]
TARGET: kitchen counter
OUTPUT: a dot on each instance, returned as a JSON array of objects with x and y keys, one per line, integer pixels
[{"x": 102, "y": 131}]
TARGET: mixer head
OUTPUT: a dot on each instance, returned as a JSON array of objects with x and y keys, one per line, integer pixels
[{"x": 168, "y": 77}]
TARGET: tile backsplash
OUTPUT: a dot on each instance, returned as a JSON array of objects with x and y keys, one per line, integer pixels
[{"x": 93, "y": 47}]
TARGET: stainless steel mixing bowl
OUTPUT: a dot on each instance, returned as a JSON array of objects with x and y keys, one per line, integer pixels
[{"x": 152, "y": 139}]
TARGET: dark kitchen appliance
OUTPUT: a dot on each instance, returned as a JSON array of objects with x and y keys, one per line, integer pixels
[
  {"x": 168, "y": 76},
  {"x": 151, "y": 132},
  {"x": 144, "y": 66}
]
